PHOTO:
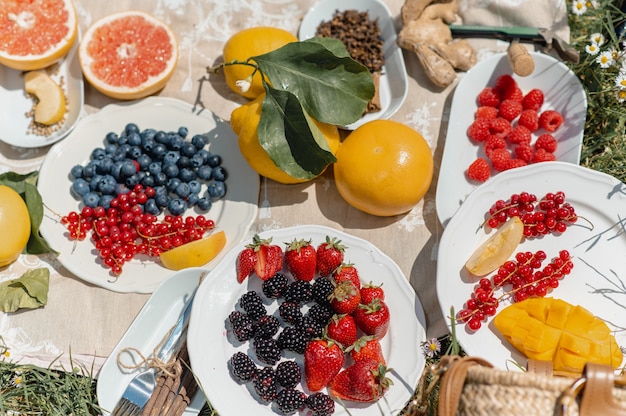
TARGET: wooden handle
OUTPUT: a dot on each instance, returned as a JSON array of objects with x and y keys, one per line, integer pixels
[{"x": 520, "y": 59}]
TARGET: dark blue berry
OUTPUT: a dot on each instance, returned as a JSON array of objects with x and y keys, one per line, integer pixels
[
  {"x": 187, "y": 175},
  {"x": 204, "y": 172},
  {"x": 199, "y": 141},
  {"x": 204, "y": 204},
  {"x": 91, "y": 199},
  {"x": 214, "y": 160},
  {"x": 77, "y": 171},
  {"x": 216, "y": 190},
  {"x": 171, "y": 170},
  {"x": 80, "y": 186},
  {"x": 177, "y": 206},
  {"x": 219, "y": 173}
]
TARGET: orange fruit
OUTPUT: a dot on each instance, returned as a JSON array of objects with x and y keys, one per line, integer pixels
[
  {"x": 36, "y": 34},
  {"x": 245, "y": 120},
  {"x": 128, "y": 55},
  {"x": 497, "y": 248},
  {"x": 14, "y": 222},
  {"x": 383, "y": 168},
  {"x": 195, "y": 253},
  {"x": 248, "y": 43}
]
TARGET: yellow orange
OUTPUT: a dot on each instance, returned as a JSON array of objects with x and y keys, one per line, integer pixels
[
  {"x": 497, "y": 248},
  {"x": 195, "y": 253},
  {"x": 14, "y": 222}
]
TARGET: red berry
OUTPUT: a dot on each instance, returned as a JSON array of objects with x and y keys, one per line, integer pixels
[
  {"x": 524, "y": 151},
  {"x": 510, "y": 109},
  {"x": 546, "y": 142},
  {"x": 505, "y": 83},
  {"x": 515, "y": 163},
  {"x": 533, "y": 100},
  {"x": 486, "y": 112},
  {"x": 519, "y": 135},
  {"x": 550, "y": 120},
  {"x": 479, "y": 129},
  {"x": 500, "y": 127},
  {"x": 529, "y": 119},
  {"x": 492, "y": 143},
  {"x": 499, "y": 159},
  {"x": 542, "y": 156},
  {"x": 489, "y": 97},
  {"x": 479, "y": 170}
]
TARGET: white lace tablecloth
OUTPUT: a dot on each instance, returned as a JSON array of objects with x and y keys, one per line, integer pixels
[{"x": 84, "y": 323}]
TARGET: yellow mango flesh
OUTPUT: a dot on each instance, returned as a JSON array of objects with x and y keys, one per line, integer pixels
[{"x": 553, "y": 330}]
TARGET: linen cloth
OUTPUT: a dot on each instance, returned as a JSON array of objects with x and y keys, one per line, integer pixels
[{"x": 87, "y": 321}]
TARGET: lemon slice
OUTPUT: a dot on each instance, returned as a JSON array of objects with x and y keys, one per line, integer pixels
[
  {"x": 50, "y": 107},
  {"x": 497, "y": 249},
  {"x": 194, "y": 254}
]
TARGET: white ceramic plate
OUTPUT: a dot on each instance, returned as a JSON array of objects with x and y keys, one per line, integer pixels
[
  {"x": 153, "y": 322},
  {"x": 15, "y": 103},
  {"x": 393, "y": 81},
  {"x": 210, "y": 346},
  {"x": 596, "y": 279},
  {"x": 234, "y": 213},
  {"x": 563, "y": 92}
]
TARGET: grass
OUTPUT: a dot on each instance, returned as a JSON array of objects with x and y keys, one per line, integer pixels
[{"x": 30, "y": 390}]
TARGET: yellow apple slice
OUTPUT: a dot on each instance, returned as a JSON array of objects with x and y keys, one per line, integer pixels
[
  {"x": 194, "y": 254},
  {"x": 497, "y": 248},
  {"x": 50, "y": 106}
]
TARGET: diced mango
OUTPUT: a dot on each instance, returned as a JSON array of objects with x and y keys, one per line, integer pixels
[{"x": 554, "y": 330}]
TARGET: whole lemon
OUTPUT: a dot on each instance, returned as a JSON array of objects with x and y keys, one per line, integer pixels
[
  {"x": 15, "y": 223},
  {"x": 246, "y": 44},
  {"x": 245, "y": 120},
  {"x": 383, "y": 168}
]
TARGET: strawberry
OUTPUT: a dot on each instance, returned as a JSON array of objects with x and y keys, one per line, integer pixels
[
  {"x": 342, "y": 329},
  {"x": 345, "y": 298},
  {"x": 373, "y": 318},
  {"x": 301, "y": 259},
  {"x": 329, "y": 256},
  {"x": 323, "y": 359},
  {"x": 366, "y": 347},
  {"x": 370, "y": 291},
  {"x": 347, "y": 272},
  {"x": 363, "y": 381},
  {"x": 269, "y": 259},
  {"x": 246, "y": 259}
]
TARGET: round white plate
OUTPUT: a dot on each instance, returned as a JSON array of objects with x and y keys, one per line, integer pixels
[
  {"x": 210, "y": 346},
  {"x": 234, "y": 213},
  {"x": 155, "y": 319},
  {"x": 394, "y": 83},
  {"x": 563, "y": 92},
  {"x": 597, "y": 254},
  {"x": 15, "y": 103}
]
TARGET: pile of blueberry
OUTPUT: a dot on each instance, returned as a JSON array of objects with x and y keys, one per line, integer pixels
[{"x": 182, "y": 172}]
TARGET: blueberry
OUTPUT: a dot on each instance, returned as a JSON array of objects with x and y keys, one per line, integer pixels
[
  {"x": 154, "y": 168},
  {"x": 121, "y": 188},
  {"x": 144, "y": 161},
  {"x": 216, "y": 190},
  {"x": 147, "y": 144},
  {"x": 192, "y": 199},
  {"x": 187, "y": 175},
  {"x": 112, "y": 137},
  {"x": 132, "y": 180},
  {"x": 171, "y": 157},
  {"x": 148, "y": 180},
  {"x": 160, "y": 137},
  {"x": 173, "y": 183},
  {"x": 199, "y": 140},
  {"x": 219, "y": 173},
  {"x": 134, "y": 152},
  {"x": 106, "y": 185},
  {"x": 183, "y": 131},
  {"x": 124, "y": 148},
  {"x": 98, "y": 153},
  {"x": 91, "y": 199},
  {"x": 195, "y": 186},
  {"x": 196, "y": 160},
  {"x": 184, "y": 162},
  {"x": 204, "y": 172},
  {"x": 162, "y": 200},
  {"x": 175, "y": 142},
  {"x": 128, "y": 168},
  {"x": 147, "y": 134},
  {"x": 177, "y": 206},
  {"x": 160, "y": 179},
  {"x": 93, "y": 183},
  {"x": 80, "y": 186},
  {"x": 214, "y": 160},
  {"x": 105, "y": 201},
  {"x": 161, "y": 190},
  {"x": 134, "y": 139},
  {"x": 103, "y": 167},
  {"x": 182, "y": 190},
  {"x": 110, "y": 149},
  {"x": 151, "y": 207},
  {"x": 171, "y": 170},
  {"x": 204, "y": 203},
  {"x": 158, "y": 151},
  {"x": 76, "y": 171},
  {"x": 119, "y": 155},
  {"x": 188, "y": 149},
  {"x": 205, "y": 155},
  {"x": 131, "y": 128}
]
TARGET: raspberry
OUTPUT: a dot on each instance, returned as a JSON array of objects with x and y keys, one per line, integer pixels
[
  {"x": 533, "y": 100},
  {"x": 514, "y": 163},
  {"x": 499, "y": 159},
  {"x": 542, "y": 156},
  {"x": 486, "y": 112},
  {"x": 510, "y": 109},
  {"x": 546, "y": 142},
  {"x": 489, "y": 97},
  {"x": 492, "y": 143},
  {"x": 479, "y": 170},
  {"x": 514, "y": 94},
  {"x": 499, "y": 127},
  {"x": 505, "y": 83},
  {"x": 550, "y": 120},
  {"x": 524, "y": 151},
  {"x": 519, "y": 135},
  {"x": 529, "y": 119},
  {"x": 479, "y": 129}
]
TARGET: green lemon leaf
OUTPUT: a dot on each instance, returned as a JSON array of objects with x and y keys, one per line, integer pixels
[
  {"x": 332, "y": 89},
  {"x": 28, "y": 291},
  {"x": 289, "y": 136}
]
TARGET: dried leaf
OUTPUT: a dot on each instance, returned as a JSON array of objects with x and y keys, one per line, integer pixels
[{"x": 28, "y": 291}]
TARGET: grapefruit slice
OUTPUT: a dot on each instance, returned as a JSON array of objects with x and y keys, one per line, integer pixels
[
  {"x": 36, "y": 34},
  {"x": 194, "y": 254},
  {"x": 128, "y": 55},
  {"x": 497, "y": 248},
  {"x": 50, "y": 107}
]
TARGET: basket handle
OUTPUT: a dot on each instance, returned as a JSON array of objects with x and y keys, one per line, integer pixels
[{"x": 452, "y": 383}]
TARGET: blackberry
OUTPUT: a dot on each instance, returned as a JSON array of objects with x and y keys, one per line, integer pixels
[
  {"x": 320, "y": 404},
  {"x": 290, "y": 312},
  {"x": 288, "y": 374},
  {"x": 292, "y": 339},
  {"x": 267, "y": 350},
  {"x": 267, "y": 326},
  {"x": 265, "y": 384},
  {"x": 321, "y": 313},
  {"x": 275, "y": 286},
  {"x": 242, "y": 325},
  {"x": 322, "y": 288},
  {"x": 242, "y": 366},
  {"x": 289, "y": 401},
  {"x": 252, "y": 303},
  {"x": 310, "y": 327},
  {"x": 299, "y": 291}
]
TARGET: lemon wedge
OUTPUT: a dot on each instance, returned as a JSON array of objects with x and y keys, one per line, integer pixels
[
  {"x": 50, "y": 107},
  {"x": 194, "y": 254},
  {"x": 497, "y": 248}
]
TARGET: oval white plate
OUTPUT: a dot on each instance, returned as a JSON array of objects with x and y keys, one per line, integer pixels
[
  {"x": 154, "y": 320},
  {"x": 596, "y": 279},
  {"x": 16, "y": 103},
  {"x": 394, "y": 84},
  {"x": 563, "y": 92},
  {"x": 210, "y": 346},
  {"x": 234, "y": 214}
]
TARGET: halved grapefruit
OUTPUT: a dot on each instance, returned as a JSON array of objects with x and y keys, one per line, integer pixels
[
  {"x": 36, "y": 34},
  {"x": 128, "y": 55}
]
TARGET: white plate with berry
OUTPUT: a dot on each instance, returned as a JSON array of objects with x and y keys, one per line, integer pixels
[
  {"x": 212, "y": 343},
  {"x": 562, "y": 92},
  {"x": 594, "y": 243}
]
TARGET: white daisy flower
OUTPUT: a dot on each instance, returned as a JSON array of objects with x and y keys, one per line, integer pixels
[
  {"x": 592, "y": 48},
  {"x": 17, "y": 379},
  {"x": 592, "y": 4},
  {"x": 431, "y": 347},
  {"x": 620, "y": 80},
  {"x": 597, "y": 38},
  {"x": 605, "y": 59},
  {"x": 621, "y": 95},
  {"x": 579, "y": 7}
]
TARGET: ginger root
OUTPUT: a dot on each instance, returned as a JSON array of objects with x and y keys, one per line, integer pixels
[{"x": 425, "y": 32}]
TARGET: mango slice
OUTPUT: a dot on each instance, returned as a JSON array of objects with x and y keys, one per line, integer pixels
[{"x": 554, "y": 330}]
